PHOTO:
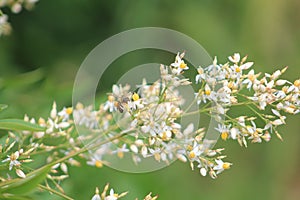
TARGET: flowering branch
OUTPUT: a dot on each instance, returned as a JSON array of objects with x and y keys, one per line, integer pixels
[{"x": 145, "y": 123}]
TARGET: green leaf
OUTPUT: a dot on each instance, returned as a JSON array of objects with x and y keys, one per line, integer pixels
[
  {"x": 18, "y": 124},
  {"x": 25, "y": 79},
  {"x": 2, "y": 107},
  {"x": 25, "y": 185}
]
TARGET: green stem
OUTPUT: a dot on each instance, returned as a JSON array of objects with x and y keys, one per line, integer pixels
[
  {"x": 84, "y": 149},
  {"x": 196, "y": 112},
  {"x": 257, "y": 113},
  {"x": 55, "y": 192}
]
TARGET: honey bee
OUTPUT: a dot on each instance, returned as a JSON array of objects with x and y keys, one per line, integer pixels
[{"x": 121, "y": 102}]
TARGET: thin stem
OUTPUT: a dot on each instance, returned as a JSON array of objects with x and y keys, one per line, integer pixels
[
  {"x": 191, "y": 104},
  {"x": 257, "y": 113},
  {"x": 55, "y": 192},
  {"x": 84, "y": 149},
  {"x": 196, "y": 112}
]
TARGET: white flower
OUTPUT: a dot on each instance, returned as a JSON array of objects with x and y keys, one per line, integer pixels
[
  {"x": 86, "y": 117},
  {"x": 120, "y": 151},
  {"x": 112, "y": 195},
  {"x": 110, "y": 104},
  {"x": 201, "y": 75},
  {"x": 65, "y": 113},
  {"x": 179, "y": 64},
  {"x": 13, "y": 160},
  {"x": 235, "y": 58},
  {"x": 96, "y": 196},
  {"x": 221, "y": 166},
  {"x": 251, "y": 79},
  {"x": 224, "y": 130},
  {"x": 196, "y": 151}
]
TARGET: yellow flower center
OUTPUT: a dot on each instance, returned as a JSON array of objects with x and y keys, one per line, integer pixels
[
  {"x": 120, "y": 154},
  {"x": 207, "y": 92},
  {"x": 69, "y": 110},
  {"x": 192, "y": 155},
  {"x": 13, "y": 157},
  {"x": 135, "y": 97},
  {"x": 224, "y": 135},
  {"x": 182, "y": 65},
  {"x": 98, "y": 163},
  {"x": 238, "y": 69},
  {"x": 111, "y": 98},
  {"x": 226, "y": 165}
]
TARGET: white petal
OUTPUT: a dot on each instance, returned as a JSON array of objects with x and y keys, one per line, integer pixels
[
  {"x": 134, "y": 148},
  {"x": 203, "y": 171},
  {"x": 281, "y": 82},
  {"x": 144, "y": 151},
  {"x": 275, "y": 112},
  {"x": 96, "y": 197},
  {"x": 63, "y": 125},
  {"x": 189, "y": 129},
  {"x": 235, "y": 58},
  {"x": 247, "y": 65},
  {"x": 20, "y": 173}
]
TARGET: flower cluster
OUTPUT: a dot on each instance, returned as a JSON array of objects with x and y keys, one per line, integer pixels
[
  {"x": 15, "y": 6},
  {"x": 145, "y": 122},
  {"x": 267, "y": 97},
  {"x": 114, "y": 196}
]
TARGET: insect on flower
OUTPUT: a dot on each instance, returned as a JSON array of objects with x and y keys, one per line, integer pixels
[{"x": 121, "y": 103}]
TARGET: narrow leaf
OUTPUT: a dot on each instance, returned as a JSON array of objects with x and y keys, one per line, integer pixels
[
  {"x": 18, "y": 124},
  {"x": 25, "y": 185}
]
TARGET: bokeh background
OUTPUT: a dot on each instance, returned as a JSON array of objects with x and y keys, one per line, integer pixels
[{"x": 39, "y": 61}]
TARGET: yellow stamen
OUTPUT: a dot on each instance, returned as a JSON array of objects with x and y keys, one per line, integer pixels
[
  {"x": 182, "y": 65},
  {"x": 226, "y": 165},
  {"x": 69, "y": 110},
  {"x": 135, "y": 97},
  {"x": 120, "y": 154},
  {"x": 238, "y": 69},
  {"x": 192, "y": 155},
  {"x": 207, "y": 92},
  {"x": 224, "y": 135},
  {"x": 98, "y": 163},
  {"x": 111, "y": 98}
]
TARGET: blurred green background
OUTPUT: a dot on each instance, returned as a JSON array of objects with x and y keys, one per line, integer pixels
[{"x": 39, "y": 61}]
